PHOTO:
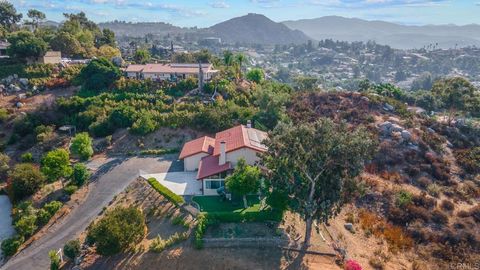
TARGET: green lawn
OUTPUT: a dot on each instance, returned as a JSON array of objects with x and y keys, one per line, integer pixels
[{"x": 216, "y": 204}]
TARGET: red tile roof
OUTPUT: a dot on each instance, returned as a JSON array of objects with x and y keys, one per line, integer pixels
[
  {"x": 239, "y": 137},
  {"x": 170, "y": 68},
  {"x": 201, "y": 145},
  {"x": 135, "y": 68},
  {"x": 208, "y": 166}
]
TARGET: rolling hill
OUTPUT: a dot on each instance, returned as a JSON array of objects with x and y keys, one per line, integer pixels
[
  {"x": 256, "y": 28},
  {"x": 395, "y": 35}
]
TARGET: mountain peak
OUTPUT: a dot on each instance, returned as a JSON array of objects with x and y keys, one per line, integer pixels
[{"x": 257, "y": 29}]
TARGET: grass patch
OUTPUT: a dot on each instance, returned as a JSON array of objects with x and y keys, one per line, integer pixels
[
  {"x": 217, "y": 204},
  {"x": 167, "y": 193}
]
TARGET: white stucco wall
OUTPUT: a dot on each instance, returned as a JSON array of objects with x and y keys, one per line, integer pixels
[
  {"x": 248, "y": 154},
  {"x": 191, "y": 163}
]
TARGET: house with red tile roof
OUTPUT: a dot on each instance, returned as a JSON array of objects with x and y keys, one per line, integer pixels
[
  {"x": 170, "y": 71},
  {"x": 215, "y": 158}
]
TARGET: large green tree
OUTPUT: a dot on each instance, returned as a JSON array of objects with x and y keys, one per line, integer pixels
[
  {"x": 8, "y": 15},
  {"x": 311, "y": 163},
  {"x": 56, "y": 164},
  {"x": 36, "y": 17},
  {"x": 142, "y": 56},
  {"x": 25, "y": 179},
  {"x": 98, "y": 75},
  {"x": 119, "y": 230},
  {"x": 67, "y": 43},
  {"x": 82, "y": 146},
  {"x": 24, "y": 44},
  {"x": 244, "y": 180}
]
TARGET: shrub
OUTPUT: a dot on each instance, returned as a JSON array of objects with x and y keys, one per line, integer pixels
[
  {"x": 178, "y": 220},
  {"x": 144, "y": 125},
  {"x": 43, "y": 217},
  {"x": 376, "y": 263},
  {"x": 56, "y": 164},
  {"x": 47, "y": 211},
  {"x": 439, "y": 217},
  {"x": 25, "y": 180},
  {"x": 3, "y": 115},
  {"x": 82, "y": 146},
  {"x": 434, "y": 190},
  {"x": 71, "y": 249},
  {"x": 202, "y": 222},
  {"x": 52, "y": 207},
  {"x": 447, "y": 205},
  {"x": 26, "y": 157},
  {"x": 157, "y": 152},
  {"x": 80, "y": 174},
  {"x": 11, "y": 245},
  {"x": 469, "y": 159},
  {"x": 70, "y": 189},
  {"x": 119, "y": 230},
  {"x": 424, "y": 181},
  {"x": 158, "y": 244},
  {"x": 424, "y": 201},
  {"x": 352, "y": 265},
  {"x": 167, "y": 193},
  {"x": 396, "y": 238},
  {"x": 26, "y": 225},
  {"x": 403, "y": 198},
  {"x": 54, "y": 260}
]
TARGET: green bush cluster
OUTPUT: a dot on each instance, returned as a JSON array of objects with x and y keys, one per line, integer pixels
[
  {"x": 157, "y": 152},
  {"x": 26, "y": 220},
  {"x": 167, "y": 193},
  {"x": 71, "y": 249},
  {"x": 10, "y": 246},
  {"x": 202, "y": 222},
  {"x": 119, "y": 230}
]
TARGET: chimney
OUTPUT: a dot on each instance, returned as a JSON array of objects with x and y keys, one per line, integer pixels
[
  {"x": 223, "y": 156},
  {"x": 249, "y": 123}
]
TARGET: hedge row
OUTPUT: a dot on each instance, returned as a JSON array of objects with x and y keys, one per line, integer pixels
[
  {"x": 167, "y": 193},
  {"x": 204, "y": 219}
]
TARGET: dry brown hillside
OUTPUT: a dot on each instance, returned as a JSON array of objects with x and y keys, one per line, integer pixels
[{"x": 419, "y": 196}]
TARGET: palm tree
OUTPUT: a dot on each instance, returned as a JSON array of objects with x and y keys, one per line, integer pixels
[{"x": 240, "y": 58}]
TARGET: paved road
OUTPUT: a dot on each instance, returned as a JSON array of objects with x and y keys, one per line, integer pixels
[{"x": 116, "y": 176}]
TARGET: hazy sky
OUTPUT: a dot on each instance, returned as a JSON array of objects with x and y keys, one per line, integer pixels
[{"x": 204, "y": 13}]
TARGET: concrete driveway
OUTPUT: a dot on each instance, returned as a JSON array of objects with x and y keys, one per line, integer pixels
[
  {"x": 112, "y": 178},
  {"x": 181, "y": 183}
]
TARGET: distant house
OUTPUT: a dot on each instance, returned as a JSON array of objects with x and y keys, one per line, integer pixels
[
  {"x": 50, "y": 57},
  {"x": 3, "y": 48},
  {"x": 215, "y": 158},
  {"x": 173, "y": 71}
]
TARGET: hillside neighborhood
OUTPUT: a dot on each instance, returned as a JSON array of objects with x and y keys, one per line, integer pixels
[{"x": 152, "y": 146}]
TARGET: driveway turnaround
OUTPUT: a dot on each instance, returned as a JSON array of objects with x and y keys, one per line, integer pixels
[
  {"x": 181, "y": 183},
  {"x": 102, "y": 191}
]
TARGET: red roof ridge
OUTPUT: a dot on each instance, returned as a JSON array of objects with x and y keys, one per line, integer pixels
[{"x": 203, "y": 144}]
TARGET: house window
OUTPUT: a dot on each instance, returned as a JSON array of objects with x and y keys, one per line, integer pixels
[{"x": 214, "y": 184}]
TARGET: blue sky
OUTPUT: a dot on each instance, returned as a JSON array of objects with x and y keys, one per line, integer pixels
[{"x": 203, "y": 13}]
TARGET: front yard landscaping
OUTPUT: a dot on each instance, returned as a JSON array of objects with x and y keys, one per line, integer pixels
[{"x": 218, "y": 204}]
